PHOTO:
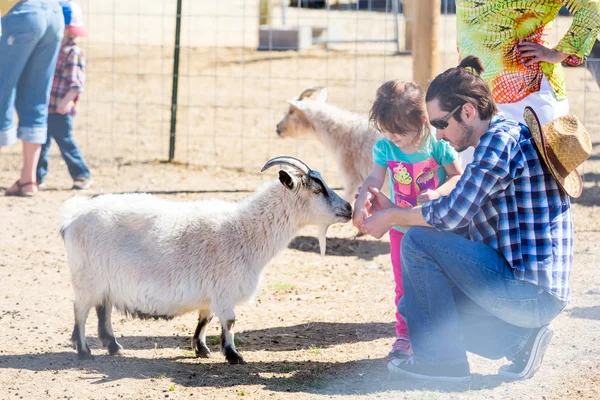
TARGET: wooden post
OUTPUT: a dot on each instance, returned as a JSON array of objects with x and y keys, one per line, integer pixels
[
  {"x": 264, "y": 12},
  {"x": 426, "y": 59},
  {"x": 408, "y": 12}
]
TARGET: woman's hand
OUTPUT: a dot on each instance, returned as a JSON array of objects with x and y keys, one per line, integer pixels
[{"x": 532, "y": 53}]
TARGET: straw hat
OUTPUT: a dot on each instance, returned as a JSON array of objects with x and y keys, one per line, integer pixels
[{"x": 564, "y": 144}]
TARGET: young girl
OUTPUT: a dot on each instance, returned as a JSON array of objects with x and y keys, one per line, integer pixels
[{"x": 420, "y": 169}]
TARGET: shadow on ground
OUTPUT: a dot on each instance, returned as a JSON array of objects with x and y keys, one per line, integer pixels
[
  {"x": 363, "y": 249},
  {"x": 290, "y": 338},
  {"x": 590, "y": 196},
  {"x": 592, "y": 312},
  {"x": 344, "y": 378}
]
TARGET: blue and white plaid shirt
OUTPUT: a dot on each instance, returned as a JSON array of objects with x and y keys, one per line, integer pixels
[{"x": 508, "y": 200}]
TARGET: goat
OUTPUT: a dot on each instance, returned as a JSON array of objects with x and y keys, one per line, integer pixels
[
  {"x": 347, "y": 135},
  {"x": 154, "y": 258}
]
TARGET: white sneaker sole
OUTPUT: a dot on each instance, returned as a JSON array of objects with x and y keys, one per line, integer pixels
[
  {"x": 535, "y": 359},
  {"x": 451, "y": 379}
]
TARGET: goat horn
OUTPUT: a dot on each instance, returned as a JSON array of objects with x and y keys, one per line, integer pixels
[{"x": 287, "y": 160}]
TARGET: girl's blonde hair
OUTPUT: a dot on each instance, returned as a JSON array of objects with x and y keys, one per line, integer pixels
[{"x": 399, "y": 108}]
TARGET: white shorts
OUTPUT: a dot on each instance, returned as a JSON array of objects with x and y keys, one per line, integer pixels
[{"x": 544, "y": 104}]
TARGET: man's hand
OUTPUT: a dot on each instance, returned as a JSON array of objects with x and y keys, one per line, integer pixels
[
  {"x": 428, "y": 195},
  {"x": 378, "y": 201},
  {"x": 64, "y": 107},
  {"x": 532, "y": 53},
  {"x": 377, "y": 224}
]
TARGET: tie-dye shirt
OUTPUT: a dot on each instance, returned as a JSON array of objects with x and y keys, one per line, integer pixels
[{"x": 491, "y": 30}]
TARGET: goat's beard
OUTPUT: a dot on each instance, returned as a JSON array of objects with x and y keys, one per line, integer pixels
[{"x": 322, "y": 235}]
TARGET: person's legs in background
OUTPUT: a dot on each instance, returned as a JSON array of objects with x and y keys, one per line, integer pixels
[
  {"x": 42, "y": 165},
  {"x": 41, "y": 25},
  {"x": 60, "y": 127}
]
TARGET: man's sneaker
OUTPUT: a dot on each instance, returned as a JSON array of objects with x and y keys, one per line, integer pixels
[
  {"x": 528, "y": 360},
  {"x": 401, "y": 349},
  {"x": 42, "y": 185},
  {"x": 82, "y": 184},
  {"x": 456, "y": 373}
]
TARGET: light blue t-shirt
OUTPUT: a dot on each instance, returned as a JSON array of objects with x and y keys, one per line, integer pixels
[{"x": 411, "y": 174}]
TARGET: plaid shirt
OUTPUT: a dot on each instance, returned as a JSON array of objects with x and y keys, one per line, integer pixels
[
  {"x": 69, "y": 74},
  {"x": 508, "y": 200}
]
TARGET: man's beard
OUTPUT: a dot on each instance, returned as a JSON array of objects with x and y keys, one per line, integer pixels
[{"x": 467, "y": 133}]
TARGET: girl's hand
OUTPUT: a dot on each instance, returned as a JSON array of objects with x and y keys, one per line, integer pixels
[
  {"x": 359, "y": 215},
  {"x": 428, "y": 195},
  {"x": 532, "y": 53}
]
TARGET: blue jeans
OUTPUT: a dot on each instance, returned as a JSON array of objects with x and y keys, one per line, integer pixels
[
  {"x": 31, "y": 35},
  {"x": 462, "y": 296},
  {"x": 60, "y": 128}
]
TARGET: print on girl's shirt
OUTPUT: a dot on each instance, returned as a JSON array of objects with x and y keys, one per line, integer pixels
[{"x": 412, "y": 179}]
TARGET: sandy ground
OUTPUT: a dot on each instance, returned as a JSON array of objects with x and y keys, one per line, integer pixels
[{"x": 318, "y": 328}]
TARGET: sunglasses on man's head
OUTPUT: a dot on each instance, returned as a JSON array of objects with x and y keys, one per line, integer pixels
[{"x": 442, "y": 123}]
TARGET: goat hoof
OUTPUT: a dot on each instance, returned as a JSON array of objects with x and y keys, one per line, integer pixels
[
  {"x": 202, "y": 353},
  {"x": 84, "y": 355},
  {"x": 115, "y": 349},
  {"x": 238, "y": 360},
  {"x": 233, "y": 357}
]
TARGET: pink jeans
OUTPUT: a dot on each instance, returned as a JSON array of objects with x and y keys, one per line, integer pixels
[{"x": 395, "y": 242}]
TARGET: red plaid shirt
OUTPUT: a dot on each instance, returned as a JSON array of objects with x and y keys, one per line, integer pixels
[{"x": 69, "y": 74}]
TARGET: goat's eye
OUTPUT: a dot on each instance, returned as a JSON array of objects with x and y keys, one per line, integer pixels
[{"x": 317, "y": 191}]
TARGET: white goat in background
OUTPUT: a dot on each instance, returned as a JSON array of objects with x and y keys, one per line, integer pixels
[
  {"x": 348, "y": 136},
  {"x": 150, "y": 257}
]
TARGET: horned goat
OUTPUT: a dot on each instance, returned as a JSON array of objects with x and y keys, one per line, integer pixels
[
  {"x": 347, "y": 135},
  {"x": 150, "y": 257}
]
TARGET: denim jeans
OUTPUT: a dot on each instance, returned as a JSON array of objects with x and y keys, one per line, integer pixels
[
  {"x": 60, "y": 128},
  {"x": 31, "y": 35},
  {"x": 461, "y": 296}
]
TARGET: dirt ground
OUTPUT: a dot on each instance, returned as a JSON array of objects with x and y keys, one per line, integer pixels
[{"x": 318, "y": 328}]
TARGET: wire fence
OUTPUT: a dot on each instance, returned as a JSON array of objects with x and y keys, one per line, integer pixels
[{"x": 231, "y": 95}]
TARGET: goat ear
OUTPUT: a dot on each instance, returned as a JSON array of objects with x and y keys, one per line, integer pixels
[
  {"x": 298, "y": 104},
  {"x": 286, "y": 179},
  {"x": 320, "y": 95}
]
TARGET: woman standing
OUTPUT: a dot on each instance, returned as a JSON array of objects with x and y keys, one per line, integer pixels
[{"x": 32, "y": 31}]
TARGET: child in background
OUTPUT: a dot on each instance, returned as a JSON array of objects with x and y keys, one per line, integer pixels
[
  {"x": 69, "y": 78},
  {"x": 420, "y": 169}
]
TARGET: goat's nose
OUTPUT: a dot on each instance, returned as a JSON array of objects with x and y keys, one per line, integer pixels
[{"x": 348, "y": 207}]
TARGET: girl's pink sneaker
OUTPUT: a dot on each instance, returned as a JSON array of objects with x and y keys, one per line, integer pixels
[{"x": 401, "y": 349}]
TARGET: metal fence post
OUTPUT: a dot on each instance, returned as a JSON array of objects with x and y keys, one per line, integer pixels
[{"x": 175, "y": 82}]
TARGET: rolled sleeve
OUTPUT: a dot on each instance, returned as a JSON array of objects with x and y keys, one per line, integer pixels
[
  {"x": 493, "y": 169},
  {"x": 580, "y": 38}
]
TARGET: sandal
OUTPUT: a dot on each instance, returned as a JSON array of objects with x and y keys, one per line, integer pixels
[{"x": 19, "y": 192}]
